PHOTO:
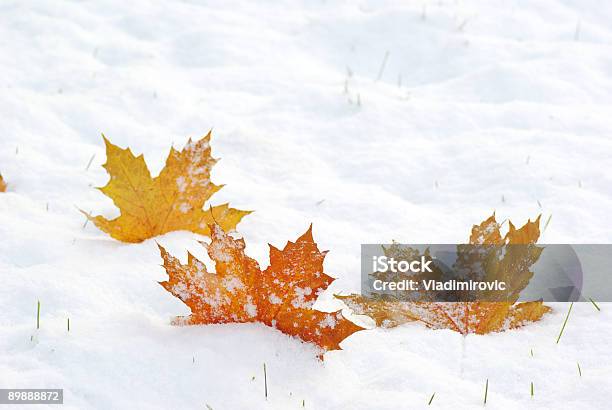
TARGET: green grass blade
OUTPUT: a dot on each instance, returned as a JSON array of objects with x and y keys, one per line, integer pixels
[
  {"x": 547, "y": 222},
  {"x": 565, "y": 322},
  {"x": 595, "y": 304},
  {"x": 486, "y": 391},
  {"x": 265, "y": 381}
]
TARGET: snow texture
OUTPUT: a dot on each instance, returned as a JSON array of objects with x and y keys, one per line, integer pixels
[{"x": 478, "y": 106}]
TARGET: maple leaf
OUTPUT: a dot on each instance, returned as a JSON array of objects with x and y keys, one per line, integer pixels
[
  {"x": 281, "y": 296},
  {"x": 2, "y": 184},
  {"x": 473, "y": 317},
  {"x": 169, "y": 202}
]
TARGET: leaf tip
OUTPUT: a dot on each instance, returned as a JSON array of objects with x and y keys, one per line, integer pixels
[
  {"x": 107, "y": 142},
  {"x": 307, "y": 236}
]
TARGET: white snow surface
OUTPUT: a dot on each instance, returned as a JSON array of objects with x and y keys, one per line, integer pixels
[{"x": 502, "y": 104}]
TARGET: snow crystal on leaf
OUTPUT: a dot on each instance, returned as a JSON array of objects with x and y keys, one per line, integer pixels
[
  {"x": 216, "y": 300},
  {"x": 275, "y": 300},
  {"x": 329, "y": 321},
  {"x": 232, "y": 283},
  {"x": 299, "y": 301},
  {"x": 200, "y": 269},
  {"x": 250, "y": 308},
  {"x": 181, "y": 183},
  {"x": 218, "y": 252},
  {"x": 182, "y": 291}
]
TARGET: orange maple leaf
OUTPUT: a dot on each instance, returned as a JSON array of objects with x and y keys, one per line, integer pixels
[
  {"x": 2, "y": 184},
  {"x": 169, "y": 202},
  {"x": 282, "y": 296},
  {"x": 472, "y": 317}
]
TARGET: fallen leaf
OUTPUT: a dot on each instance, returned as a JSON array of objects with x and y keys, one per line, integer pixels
[
  {"x": 473, "y": 317},
  {"x": 281, "y": 296},
  {"x": 171, "y": 201},
  {"x": 2, "y": 184}
]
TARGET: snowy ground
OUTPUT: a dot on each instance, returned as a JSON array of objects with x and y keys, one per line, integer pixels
[{"x": 481, "y": 106}]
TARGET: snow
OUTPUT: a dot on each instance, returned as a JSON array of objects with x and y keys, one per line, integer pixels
[
  {"x": 499, "y": 105},
  {"x": 232, "y": 283},
  {"x": 328, "y": 322},
  {"x": 250, "y": 308},
  {"x": 274, "y": 299},
  {"x": 300, "y": 299},
  {"x": 181, "y": 183}
]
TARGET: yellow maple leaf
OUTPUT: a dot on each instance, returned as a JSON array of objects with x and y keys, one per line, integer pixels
[
  {"x": 171, "y": 201},
  {"x": 473, "y": 317},
  {"x": 2, "y": 184}
]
